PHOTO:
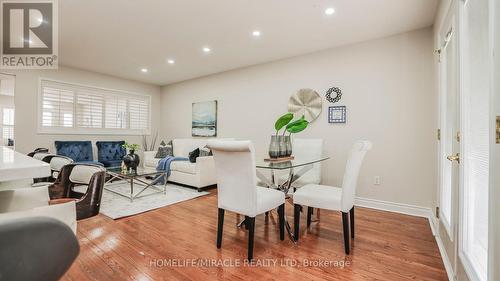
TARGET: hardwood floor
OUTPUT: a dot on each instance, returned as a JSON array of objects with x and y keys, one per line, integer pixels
[{"x": 387, "y": 246}]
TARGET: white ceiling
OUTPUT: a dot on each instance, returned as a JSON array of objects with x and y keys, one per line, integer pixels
[{"x": 119, "y": 37}]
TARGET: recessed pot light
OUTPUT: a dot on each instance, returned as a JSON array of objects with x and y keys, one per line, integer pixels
[
  {"x": 170, "y": 61},
  {"x": 256, "y": 33},
  {"x": 206, "y": 49},
  {"x": 330, "y": 11},
  {"x": 144, "y": 70}
]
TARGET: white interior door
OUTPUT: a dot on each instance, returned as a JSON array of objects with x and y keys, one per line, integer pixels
[
  {"x": 475, "y": 107},
  {"x": 449, "y": 143}
]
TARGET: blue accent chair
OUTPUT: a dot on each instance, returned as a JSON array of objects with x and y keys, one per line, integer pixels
[
  {"x": 110, "y": 153},
  {"x": 79, "y": 151}
]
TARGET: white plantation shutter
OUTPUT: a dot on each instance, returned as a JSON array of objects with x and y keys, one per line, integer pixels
[
  {"x": 57, "y": 105},
  {"x": 7, "y": 125},
  {"x": 139, "y": 113},
  {"x": 89, "y": 109},
  {"x": 116, "y": 112},
  {"x": 8, "y": 116},
  {"x": 77, "y": 109}
]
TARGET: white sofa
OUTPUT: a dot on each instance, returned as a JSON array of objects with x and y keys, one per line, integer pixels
[
  {"x": 199, "y": 175},
  {"x": 34, "y": 202}
]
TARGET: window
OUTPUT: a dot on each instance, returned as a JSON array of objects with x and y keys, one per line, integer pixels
[
  {"x": 473, "y": 250},
  {"x": 116, "y": 113},
  {"x": 7, "y": 125},
  {"x": 75, "y": 109},
  {"x": 57, "y": 106},
  {"x": 89, "y": 110},
  {"x": 138, "y": 114}
]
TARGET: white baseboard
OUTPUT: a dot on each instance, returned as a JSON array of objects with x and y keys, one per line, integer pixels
[
  {"x": 446, "y": 260},
  {"x": 406, "y": 209},
  {"x": 412, "y": 210},
  {"x": 434, "y": 223}
]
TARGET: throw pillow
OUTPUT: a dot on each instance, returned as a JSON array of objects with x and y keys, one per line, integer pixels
[
  {"x": 205, "y": 151},
  {"x": 164, "y": 151},
  {"x": 193, "y": 155}
]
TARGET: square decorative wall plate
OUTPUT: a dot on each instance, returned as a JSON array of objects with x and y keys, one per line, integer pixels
[{"x": 337, "y": 114}]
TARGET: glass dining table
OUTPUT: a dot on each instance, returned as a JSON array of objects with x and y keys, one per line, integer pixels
[{"x": 295, "y": 169}]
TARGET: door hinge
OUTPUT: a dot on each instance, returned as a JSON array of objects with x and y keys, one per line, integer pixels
[
  {"x": 439, "y": 134},
  {"x": 458, "y": 136},
  {"x": 498, "y": 130},
  {"x": 438, "y": 53},
  {"x": 437, "y": 212}
]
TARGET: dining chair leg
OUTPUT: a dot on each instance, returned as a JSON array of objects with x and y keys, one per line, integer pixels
[
  {"x": 281, "y": 213},
  {"x": 351, "y": 216},
  {"x": 345, "y": 222},
  {"x": 220, "y": 225},
  {"x": 246, "y": 222},
  {"x": 309, "y": 214},
  {"x": 296, "y": 221},
  {"x": 251, "y": 232}
]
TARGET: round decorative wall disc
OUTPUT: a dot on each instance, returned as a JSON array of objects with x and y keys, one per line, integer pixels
[{"x": 305, "y": 102}]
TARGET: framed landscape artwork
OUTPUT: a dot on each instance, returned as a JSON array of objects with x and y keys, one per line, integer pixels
[{"x": 204, "y": 122}]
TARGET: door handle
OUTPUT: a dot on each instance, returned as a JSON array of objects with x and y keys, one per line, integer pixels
[{"x": 455, "y": 157}]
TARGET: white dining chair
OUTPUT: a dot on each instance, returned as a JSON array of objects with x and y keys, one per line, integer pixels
[
  {"x": 237, "y": 189},
  {"x": 308, "y": 149},
  {"x": 303, "y": 149},
  {"x": 333, "y": 198}
]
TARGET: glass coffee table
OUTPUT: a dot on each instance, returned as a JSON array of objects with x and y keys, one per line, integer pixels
[{"x": 135, "y": 178}]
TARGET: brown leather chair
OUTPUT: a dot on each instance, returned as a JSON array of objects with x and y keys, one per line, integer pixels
[
  {"x": 56, "y": 163},
  {"x": 38, "y": 150},
  {"x": 71, "y": 175}
]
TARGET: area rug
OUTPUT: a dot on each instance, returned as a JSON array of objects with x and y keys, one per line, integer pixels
[{"x": 116, "y": 206}]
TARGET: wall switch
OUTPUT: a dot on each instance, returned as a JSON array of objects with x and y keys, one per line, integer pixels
[{"x": 376, "y": 180}]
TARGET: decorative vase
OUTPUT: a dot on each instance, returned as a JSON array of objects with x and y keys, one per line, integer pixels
[
  {"x": 131, "y": 160},
  {"x": 288, "y": 145},
  {"x": 274, "y": 147},
  {"x": 282, "y": 146}
]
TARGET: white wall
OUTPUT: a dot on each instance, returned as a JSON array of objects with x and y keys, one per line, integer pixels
[
  {"x": 26, "y": 94},
  {"x": 388, "y": 87}
]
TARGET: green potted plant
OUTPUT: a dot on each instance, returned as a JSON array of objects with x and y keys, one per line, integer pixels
[{"x": 281, "y": 145}]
